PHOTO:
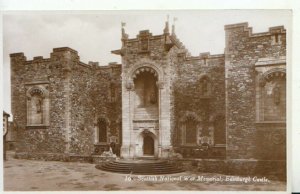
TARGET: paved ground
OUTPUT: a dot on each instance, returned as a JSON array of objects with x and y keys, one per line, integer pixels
[{"x": 30, "y": 175}]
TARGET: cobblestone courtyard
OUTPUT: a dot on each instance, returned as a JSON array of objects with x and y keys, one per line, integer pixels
[{"x": 30, "y": 175}]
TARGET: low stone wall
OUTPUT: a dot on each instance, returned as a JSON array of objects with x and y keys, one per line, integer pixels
[
  {"x": 41, "y": 156},
  {"x": 53, "y": 157},
  {"x": 96, "y": 159},
  {"x": 10, "y": 145},
  {"x": 81, "y": 158},
  {"x": 101, "y": 159},
  {"x": 272, "y": 169}
]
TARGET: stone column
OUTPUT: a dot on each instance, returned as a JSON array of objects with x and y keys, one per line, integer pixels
[
  {"x": 164, "y": 119},
  {"x": 68, "y": 131},
  {"x": 127, "y": 86}
]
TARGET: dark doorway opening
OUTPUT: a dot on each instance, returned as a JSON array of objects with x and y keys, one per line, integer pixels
[{"x": 148, "y": 147}]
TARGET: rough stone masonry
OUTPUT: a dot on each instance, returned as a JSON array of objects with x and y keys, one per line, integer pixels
[{"x": 221, "y": 113}]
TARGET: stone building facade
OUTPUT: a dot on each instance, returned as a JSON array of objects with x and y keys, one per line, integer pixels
[{"x": 159, "y": 101}]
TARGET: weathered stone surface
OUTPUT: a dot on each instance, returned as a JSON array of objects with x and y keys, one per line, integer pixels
[
  {"x": 242, "y": 52},
  {"x": 78, "y": 97},
  {"x": 235, "y": 102}
]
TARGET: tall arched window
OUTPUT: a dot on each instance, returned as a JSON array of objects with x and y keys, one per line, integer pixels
[
  {"x": 190, "y": 131},
  {"x": 37, "y": 106},
  {"x": 102, "y": 131},
  {"x": 272, "y": 96},
  {"x": 205, "y": 85},
  {"x": 113, "y": 91}
]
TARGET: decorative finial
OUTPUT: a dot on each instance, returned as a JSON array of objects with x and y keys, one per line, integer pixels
[
  {"x": 166, "y": 30},
  {"x": 124, "y": 35},
  {"x": 173, "y": 26}
]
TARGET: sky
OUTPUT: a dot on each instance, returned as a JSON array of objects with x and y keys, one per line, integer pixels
[{"x": 95, "y": 34}]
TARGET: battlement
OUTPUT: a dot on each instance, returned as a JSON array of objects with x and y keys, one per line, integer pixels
[
  {"x": 21, "y": 54},
  {"x": 65, "y": 52},
  {"x": 205, "y": 56},
  {"x": 17, "y": 57},
  {"x": 111, "y": 65},
  {"x": 238, "y": 25},
  {"x": 245, "y": 27},
  {"x": 65, "y": 49},
  {"x": 144, "y": 34}
]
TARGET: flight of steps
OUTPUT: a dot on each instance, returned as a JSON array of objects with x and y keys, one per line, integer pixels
[{"x": 140, "y": 167}]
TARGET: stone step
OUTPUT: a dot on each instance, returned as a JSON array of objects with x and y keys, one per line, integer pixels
[{"x": 140, "y": 167}]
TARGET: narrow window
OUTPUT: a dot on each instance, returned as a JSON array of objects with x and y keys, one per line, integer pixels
[
  {"x": 276, "y": 38},
  {"x": 219, "y": 130},
  {"x": 112, "y": 92},
  {"x": 102, "y": 125},
  {"x": 204, "y": 86},
  {"x": 190, "y": 131}
]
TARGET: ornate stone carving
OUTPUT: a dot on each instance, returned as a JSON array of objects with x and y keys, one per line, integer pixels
[
  {"x": 205, "y": 85},
  {"x": 144, "y": 62},
  {"x": 144, "y": 40},
  {"x": 129, "y": 85},
  {"x": 39, "y": 103},
  {"x": 189, "y": 114},
  {"x": 37, "y": 90},
  {"x": 160, "y": 84},
  {"x": 153, "y": 98},
  {"x": 144, "y": 44},
  {"x": 276, "y": 94},
  {"x": 269, "y": 75},
  {"x": 277, "y": 138}
]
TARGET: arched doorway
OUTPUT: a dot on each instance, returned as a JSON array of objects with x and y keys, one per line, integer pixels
[{"x": 148, "y": 146}]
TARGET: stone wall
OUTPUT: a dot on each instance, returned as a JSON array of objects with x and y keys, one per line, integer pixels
[
  {"x": 78, "y": 95},
  {"x": 190, "y": 100},
  {"x": 91, "y": 100},
  {"x": 243, "y": 50},
  {"x": 181, "y": 76},
  {"x": 44, "y": 138},
  {"x": 213, "y": 90}
]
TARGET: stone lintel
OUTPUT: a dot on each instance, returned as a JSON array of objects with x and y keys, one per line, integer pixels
[
  {"x": 37, "y": 82},
  {"x": 271, "y": 61}
]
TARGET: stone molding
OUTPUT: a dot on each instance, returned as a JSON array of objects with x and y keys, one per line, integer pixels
[
  {"x": 271, "y": 61},
  {"x": 45, "y": 107},
  {"x": 145, "y": 63},
  {"x": 271, "y": 73},
  {"x": 189, "y": 114}
]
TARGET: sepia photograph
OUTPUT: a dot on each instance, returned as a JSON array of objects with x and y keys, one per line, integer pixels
[{"x": 160, "y": 100}]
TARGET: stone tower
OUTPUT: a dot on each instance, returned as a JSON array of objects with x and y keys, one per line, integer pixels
[{"x": 146, "y": 115}]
